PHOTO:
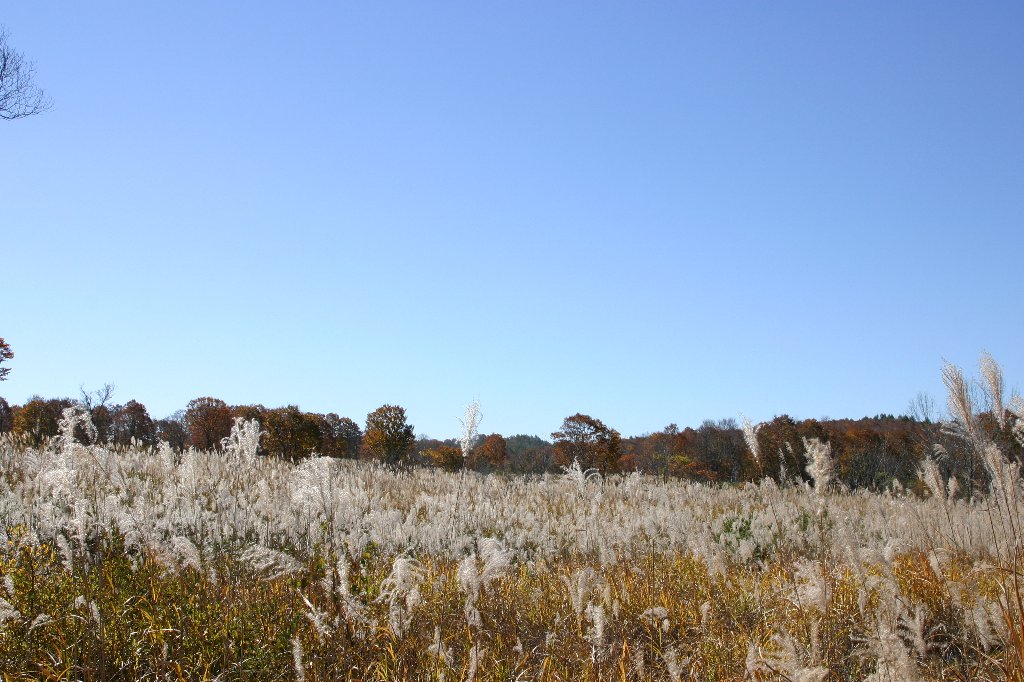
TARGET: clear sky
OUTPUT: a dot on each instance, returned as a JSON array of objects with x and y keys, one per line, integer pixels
[{"x": 648, "y": 212}]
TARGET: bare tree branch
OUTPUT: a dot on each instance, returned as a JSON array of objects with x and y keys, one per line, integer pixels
[{"x": 19, "y": 97}]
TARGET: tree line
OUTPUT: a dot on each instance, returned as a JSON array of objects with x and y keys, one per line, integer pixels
[{"x": 873, "y": 452}]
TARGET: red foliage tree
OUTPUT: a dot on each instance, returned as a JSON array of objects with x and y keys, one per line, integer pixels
[
  {"x": 208, "y": 421},
  {"x": 490, "y": 454}
]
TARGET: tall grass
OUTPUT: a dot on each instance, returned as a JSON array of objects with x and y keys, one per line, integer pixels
[{"x": 146, "y": 564}]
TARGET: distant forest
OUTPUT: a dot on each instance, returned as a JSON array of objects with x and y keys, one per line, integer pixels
[{"x": 874, "y": 453}]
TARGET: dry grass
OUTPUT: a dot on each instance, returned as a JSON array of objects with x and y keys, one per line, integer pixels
[
  {"x": 118, "y": 612},
  {"x": 124, "y": 615},
  {"x": 138, "y": 564}
]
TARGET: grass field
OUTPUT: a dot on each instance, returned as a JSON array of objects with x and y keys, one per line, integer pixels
[{"x": 148, "y": 564}]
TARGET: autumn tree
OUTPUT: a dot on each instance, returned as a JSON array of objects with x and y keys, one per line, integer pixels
[
  {"x": 208, "y": 421},
  {"x": 664, "y": 453},
  {"x": 5, "y": 354},
  {"x": 1002, "y": 430},
  {"x": 38, "y": 419},
  {"x": 875, "y": 452},
  {"x": 424, "y": 443},
  {"x": 781, "y": 447},
  {"x": 19, "y": 95},
  {"x": 101, "y": 414},
  {"x": 349, "y": 432},
  {"x": 329, "y": 445},
  {"x": 102, "y": 418},
  {"x": 249, "y": 412},
  {"x": 490, "y": 454},
  {"x": 34, "y": 421},
  {"x": 719, "y": 449},
  {"x": 529, "y": 454},
  {"x": 173, "y": 431},
  {"x": 447, "y": 457},
  {"x": 291, "y": 433},
  {"x": 588, "y": 441},
  {"x": 388, "y": 437},
  {"x": 133, "y": 423},
  {"x": 6, "y": 416},
  {"x": 341, "y": 436}
]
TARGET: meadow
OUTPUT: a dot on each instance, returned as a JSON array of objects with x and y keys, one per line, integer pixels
[{"x": 145, "y": 563}]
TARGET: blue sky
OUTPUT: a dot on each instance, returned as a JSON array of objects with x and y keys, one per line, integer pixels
[{"x": 648, "y": 212}]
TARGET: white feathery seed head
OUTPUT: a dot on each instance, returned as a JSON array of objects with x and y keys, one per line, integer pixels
[
  {"x": 72, "y": 418},
  {"x": 819, "y": 464},
  {"x": 992, "y": 381},
  {"x": 470, "y": 422},
  {"x": 297, "y": 656},
  {"x": 7, "y": 611},
  {"x": 930, "y": 475},
  {"x": 750, "y": 437},
  {"x": 244, "y": 441}
]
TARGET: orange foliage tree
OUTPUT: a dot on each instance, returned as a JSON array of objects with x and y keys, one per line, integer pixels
[
  {"x": 447, "y": 457},
  {"x": 588, "y": 441},
  {"x": 37, "y": 419},
  {"x": 388, "y": 437},
  {"x": 490, "y": 454}
]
